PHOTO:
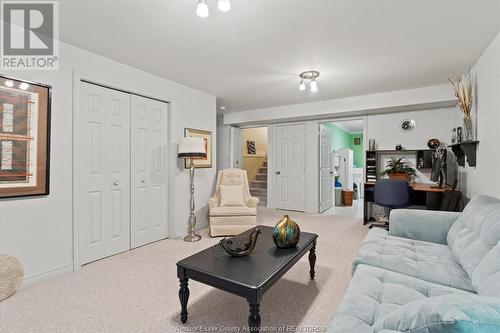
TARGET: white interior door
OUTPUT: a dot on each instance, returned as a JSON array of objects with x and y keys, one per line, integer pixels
[
  {"x": 289, "y": 167},
  {"x": 103, "y": 187},
  {"x": 325, "y": 169},
  {"x": 149, "y": 176},
  {"x": 236, "y": 148}
]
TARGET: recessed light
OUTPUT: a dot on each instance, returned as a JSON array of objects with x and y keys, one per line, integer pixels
[
  {"x": 9, "y": 83},
  {"x": 24, "y": 86}
]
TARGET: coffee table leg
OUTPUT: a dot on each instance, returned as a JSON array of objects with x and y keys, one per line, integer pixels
[
  {"x": 312, "y": 260},
  {"x": 183, "y": 297},
  {"x": 254, "y": 318}
]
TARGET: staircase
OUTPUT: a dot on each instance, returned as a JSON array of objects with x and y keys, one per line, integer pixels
[{"x": 258, "y": 187}]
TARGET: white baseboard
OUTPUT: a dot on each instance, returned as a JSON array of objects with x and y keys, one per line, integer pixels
[{"x": 47, "y": 275}]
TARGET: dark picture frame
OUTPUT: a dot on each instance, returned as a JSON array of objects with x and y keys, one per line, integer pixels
[
  {"x": 207, "y": 137},
  {"x": 25, "y": 110},
  {"x": 357, "y": 141}
]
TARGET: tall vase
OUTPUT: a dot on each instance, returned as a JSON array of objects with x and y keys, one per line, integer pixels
[{"x": 468, "y": 132}]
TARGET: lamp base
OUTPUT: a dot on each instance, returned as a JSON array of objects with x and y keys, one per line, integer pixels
[{"x": 192, "y": 238}]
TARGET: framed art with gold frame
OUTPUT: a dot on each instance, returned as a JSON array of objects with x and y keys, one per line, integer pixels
[
  {"x": 207, "y": 137},
  {"x": 24, "y": 137}
]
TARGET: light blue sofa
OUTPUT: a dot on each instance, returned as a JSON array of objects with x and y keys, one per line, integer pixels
[{"x": 432, "y": 272}]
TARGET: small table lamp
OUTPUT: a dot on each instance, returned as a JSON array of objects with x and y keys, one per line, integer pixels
[{"x": 192, "y": 148}]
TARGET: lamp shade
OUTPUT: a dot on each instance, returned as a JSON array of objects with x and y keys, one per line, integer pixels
[{"x": 192, "y": 148}]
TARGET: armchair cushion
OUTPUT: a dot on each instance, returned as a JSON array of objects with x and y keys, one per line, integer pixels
[
  {"x": 231, "y": 195},
  {"x": 233, "y": 211},
  {"x": 424, "y": 225}
]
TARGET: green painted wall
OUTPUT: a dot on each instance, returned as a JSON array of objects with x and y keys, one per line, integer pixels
[
  {"x": 341, "y": 139},
  {"x": 358, "y": 150}
]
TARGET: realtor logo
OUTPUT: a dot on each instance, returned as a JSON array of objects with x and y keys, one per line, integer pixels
[{"x": 29, "y": 32}]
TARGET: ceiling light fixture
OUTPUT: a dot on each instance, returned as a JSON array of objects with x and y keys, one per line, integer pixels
[
  {"x": 224, "y": 5},
  {"x": 9, "y": 83},
  {"x": 202, "y": 8},
  {"x": 309, "y": 76},
  {"x": 24, "y": 86}
]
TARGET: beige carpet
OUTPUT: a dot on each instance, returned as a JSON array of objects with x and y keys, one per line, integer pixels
[{"x": 137, "y": 291}]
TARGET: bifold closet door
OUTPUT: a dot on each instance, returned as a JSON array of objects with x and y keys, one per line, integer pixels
[
  {"x": 149, "y": 177},
  {"x": 103, "y": 172}
]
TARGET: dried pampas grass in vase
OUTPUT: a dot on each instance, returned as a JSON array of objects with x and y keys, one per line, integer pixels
[{"x": 464, "y": 91}]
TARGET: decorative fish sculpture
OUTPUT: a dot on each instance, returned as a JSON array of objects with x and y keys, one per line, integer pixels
[{"x": 242, "y": 245}]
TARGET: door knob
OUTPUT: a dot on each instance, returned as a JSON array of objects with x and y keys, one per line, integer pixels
[
  {"x": 115, "y": 182},
  {"x": 331, "y": 172},
  {"x": 143, "y": 180},
  {"x": 278, "y": 173}
]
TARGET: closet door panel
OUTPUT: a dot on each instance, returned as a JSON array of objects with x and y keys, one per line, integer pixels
[
  {"x": 103, "y": 170},
  {"x": 149, "y": 178}
]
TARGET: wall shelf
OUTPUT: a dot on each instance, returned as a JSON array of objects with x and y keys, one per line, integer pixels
[{"x": 463, "y": 149}]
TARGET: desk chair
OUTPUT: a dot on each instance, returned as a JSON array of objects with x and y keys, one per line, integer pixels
[{"x": 391, "y": 194}]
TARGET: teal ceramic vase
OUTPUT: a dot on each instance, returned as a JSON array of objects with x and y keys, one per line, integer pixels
[{"x": 286, "y": 233}]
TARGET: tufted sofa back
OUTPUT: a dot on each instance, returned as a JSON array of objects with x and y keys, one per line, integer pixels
[{"x": 474, "y": 240}]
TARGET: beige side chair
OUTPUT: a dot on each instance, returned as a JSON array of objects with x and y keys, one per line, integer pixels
[{"x": 232, "y": 220}]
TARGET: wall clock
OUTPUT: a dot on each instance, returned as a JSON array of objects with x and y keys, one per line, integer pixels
[{"x": 408, "y": 125}]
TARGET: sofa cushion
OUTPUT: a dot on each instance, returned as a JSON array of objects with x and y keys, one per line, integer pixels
[
  {"x": 375, "y": 292},
  {"x": 424, "y": 260},
  {"x": 233, "y": 211},
  {"x": 474, "y": 240},
  {"x": 449, "y": 313}
]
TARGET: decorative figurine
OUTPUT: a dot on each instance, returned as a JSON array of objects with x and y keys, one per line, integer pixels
[
  {"x": 286, "y": 233},
  {"x": 459, "y": 134},
  {"x": 240, "y": 246},
  {"x": 433, "y": 143}
]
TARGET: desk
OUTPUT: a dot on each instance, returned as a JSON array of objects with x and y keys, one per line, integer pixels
[{"x": 427, "y": 195}]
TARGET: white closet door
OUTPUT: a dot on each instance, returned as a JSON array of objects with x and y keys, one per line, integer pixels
[
  {"x": 149, "y": 178},
  {"x": 325, "y": 169},
  {"x": 289, "y": 167},
  {"x": 103, "y": 186}
]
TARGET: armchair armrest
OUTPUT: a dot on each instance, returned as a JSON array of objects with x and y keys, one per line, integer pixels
[
  {"x": 212, "y": 202},
  {"x": 252, "y": 202},
  {"x": 424, "y": 225}
]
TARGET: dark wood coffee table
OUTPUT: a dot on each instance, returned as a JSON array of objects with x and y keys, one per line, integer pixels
[{"x": 249, "y": 276}]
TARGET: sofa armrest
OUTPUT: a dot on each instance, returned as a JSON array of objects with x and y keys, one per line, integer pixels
[
  {"x": 212, "y": 202},
  {"x": 252, "y": 202},
  {"x": 424, "y": 225}
]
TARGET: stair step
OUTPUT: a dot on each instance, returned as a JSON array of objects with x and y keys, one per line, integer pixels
[
  {"x": 261, "y": 176},
  {"x": 258, "y": 192},
  {"x": 258, "y": 184}
]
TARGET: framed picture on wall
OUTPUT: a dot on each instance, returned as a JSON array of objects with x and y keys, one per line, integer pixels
[
  {"x": 207, "y": 138},
  {"x": 357, "y": 141},
  {"x": 24, "y": 138}
]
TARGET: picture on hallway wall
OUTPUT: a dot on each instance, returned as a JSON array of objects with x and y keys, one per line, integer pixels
[
  {"x": 357, "y": 141},
  {"x": 207, "y": 138},
  {"x": 24, "y": 138}
]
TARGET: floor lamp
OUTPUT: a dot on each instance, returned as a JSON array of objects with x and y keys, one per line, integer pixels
[{"x": 190, "y": 149}]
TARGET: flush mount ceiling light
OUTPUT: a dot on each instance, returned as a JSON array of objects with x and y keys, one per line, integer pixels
[
  {"x": 309, "y": 77},
  {"x": 202, "y": 8}
]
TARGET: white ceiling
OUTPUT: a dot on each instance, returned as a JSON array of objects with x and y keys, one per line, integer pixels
[
  {"x": 250, "y": 57},
  {"x": 351, "y": 126}
]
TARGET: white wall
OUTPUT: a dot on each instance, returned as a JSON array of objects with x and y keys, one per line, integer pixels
[
  {"x": 393, "y": 101},
  {"x": 223, "y": 144},
  {"x": 484, "y": 177},
  {"x": 435, "y": 123},
  {"x": 39, "y": 230}
]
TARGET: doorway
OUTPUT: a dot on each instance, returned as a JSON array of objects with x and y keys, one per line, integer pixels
[
  {"x": 252, "y": 145},
  {"x": 341, "y": 167}
]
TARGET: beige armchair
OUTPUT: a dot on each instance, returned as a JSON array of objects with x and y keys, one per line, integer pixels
[{"x": 232, "y": 220}]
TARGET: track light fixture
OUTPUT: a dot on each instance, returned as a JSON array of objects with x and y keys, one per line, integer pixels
[
  {"x": 202, "y": 8},
  {"x": 309, "y": 76}
]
